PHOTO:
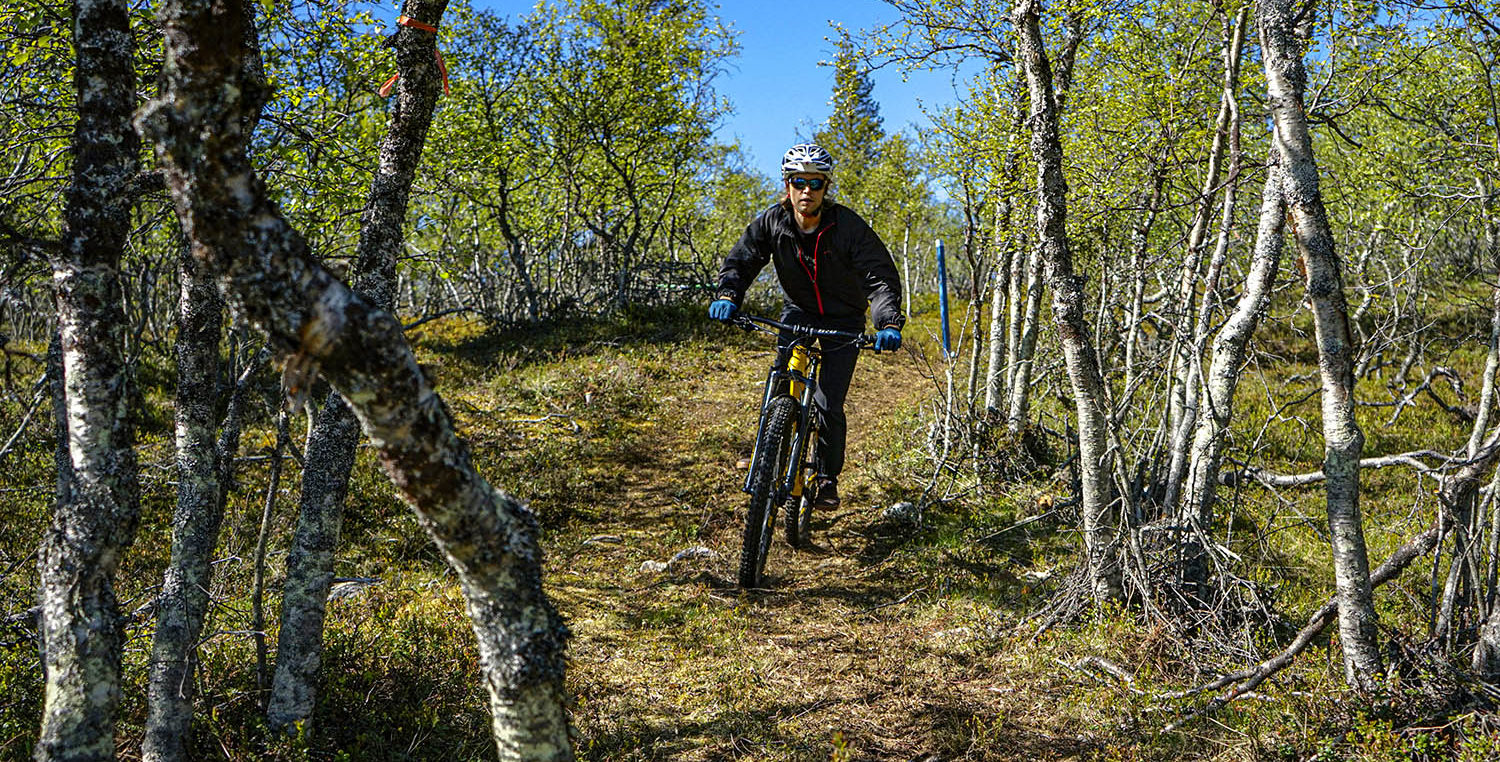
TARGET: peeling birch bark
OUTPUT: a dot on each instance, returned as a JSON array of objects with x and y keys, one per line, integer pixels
[
  {"x": 94, "y": 520},
  {"x": 1286, "y": 79},
  {"x": 1095, "y": 457},
  {"x": 316, "y": 323}
]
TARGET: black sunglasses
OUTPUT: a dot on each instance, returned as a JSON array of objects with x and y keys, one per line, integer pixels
[{"x": 802, "y": 183}]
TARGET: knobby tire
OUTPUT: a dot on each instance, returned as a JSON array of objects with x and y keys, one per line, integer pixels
[
  {"x": 799, "y": 511},
  {"x": 773, "y": 452}
]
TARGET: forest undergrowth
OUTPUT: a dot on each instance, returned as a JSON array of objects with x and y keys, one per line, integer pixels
[{"x": 888, "y": 639}]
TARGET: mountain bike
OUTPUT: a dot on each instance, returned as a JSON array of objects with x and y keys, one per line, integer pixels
[{"x": 785, "y": 463}]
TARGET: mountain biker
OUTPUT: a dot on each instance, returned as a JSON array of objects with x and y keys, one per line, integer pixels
[{"x": 830, "y": 263}]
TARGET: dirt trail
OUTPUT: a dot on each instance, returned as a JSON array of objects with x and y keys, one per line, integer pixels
[{"x": 843, "y": 652}]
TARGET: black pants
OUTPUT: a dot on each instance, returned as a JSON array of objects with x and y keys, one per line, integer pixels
[{"x": 839, "y": 357}]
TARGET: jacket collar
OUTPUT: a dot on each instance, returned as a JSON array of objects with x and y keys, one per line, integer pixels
[{"x": 825, "y": 221}]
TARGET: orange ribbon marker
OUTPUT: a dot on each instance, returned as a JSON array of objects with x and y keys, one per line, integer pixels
[
  {"x": 415, "y": 24},
  {"x": 408, "y": 21}
]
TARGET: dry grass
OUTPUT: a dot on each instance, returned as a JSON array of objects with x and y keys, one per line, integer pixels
[{"x": 883, "y": 641}]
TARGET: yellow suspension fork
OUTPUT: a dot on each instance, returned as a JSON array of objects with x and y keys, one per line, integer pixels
[{"x": 802, "y": 366}]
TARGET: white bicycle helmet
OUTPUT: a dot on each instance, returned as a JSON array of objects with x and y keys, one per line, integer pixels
[{"x": 806, "y": 158}]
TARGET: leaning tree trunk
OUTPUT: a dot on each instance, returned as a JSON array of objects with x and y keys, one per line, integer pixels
[
  {"x": 1094, "y": 456},
  {"x": 331, "y": 447},
  {"x": 1485, "y": 407},
  {"x": 1486, "y": 660},
  {"x": 1286, "y": 79},
  {"x": 1217, "y": 400},
  {"x": 1189, "y": 333},
  {"x": 317, "y": 323},
  {"x": 94, "y": 523}
]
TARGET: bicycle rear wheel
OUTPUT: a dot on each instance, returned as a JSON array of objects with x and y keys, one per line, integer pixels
[{"x": 773, "y": 453}]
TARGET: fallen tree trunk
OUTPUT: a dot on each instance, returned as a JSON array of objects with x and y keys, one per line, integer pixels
[{"x": 1273, "y": 479}]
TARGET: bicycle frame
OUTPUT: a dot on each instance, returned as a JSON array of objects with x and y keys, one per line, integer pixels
[
  {"x": 780, "y": 464},
  {"x": 797, "y": 368}
]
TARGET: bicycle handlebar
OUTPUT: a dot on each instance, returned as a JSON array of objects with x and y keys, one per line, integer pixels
[{"x": 748, "y": 322}]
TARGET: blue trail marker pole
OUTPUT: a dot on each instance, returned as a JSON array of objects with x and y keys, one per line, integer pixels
[{"x": 942, "y": 264}]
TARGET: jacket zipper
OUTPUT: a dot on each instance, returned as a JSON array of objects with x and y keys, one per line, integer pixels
[{"x": 813, "y": 273}]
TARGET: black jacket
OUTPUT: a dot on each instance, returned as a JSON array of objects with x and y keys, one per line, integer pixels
[{"x": 847, "y": 266}]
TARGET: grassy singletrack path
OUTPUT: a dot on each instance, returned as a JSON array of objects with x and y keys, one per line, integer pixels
[{"x": 862, "y": 647}]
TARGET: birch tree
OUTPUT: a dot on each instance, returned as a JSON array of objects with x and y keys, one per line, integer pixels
[
  {"x": 1191, "y": 331},
  {"x": 331, "y": 446},
  {"x": 1217, "y": 395},
  {"x": 96, "y": 513},
  {"x": 1286, "y": 80},
  {"x": 205, "y": 458},
  {"x": 317, "y": 324},
  {"x": 1094, "y": 456}
]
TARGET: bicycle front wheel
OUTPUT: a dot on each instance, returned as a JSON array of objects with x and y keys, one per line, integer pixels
[
  {"x": 798, "y": 522},
  {"x": 773, "y": 454}
]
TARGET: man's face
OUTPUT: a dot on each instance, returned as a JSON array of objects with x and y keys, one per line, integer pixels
[{"x": 806, "y": 200}]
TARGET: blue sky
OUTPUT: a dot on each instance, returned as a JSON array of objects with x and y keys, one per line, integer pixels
[{"x": 778, "y": 90}]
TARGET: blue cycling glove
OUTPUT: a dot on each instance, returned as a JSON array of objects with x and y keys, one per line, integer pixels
[
  {"x": 887, "y": 340},
  {"x": 724, "y": 309}
]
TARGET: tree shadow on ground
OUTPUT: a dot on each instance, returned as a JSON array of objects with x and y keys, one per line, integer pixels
[
  {"x": 729, "y": 735},
  {"x": 817, "y": 729},
  {"x": 967, "y": 733}
]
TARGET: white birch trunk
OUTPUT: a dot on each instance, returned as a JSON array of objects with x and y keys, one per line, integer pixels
[
  {"x": 994, "y": 376},
  {"x": 94, "y": 519},
  {"x": 1343, "y": 441},
  {"x": 318, "y": 324},
  {"x": 332, "y": 442},
  {"x": 1190, "y": 334},
  {"x": 994, "y": 384},
  {"x": 1228, "y": 358},
  {"x": 1024, "y": 359},
  {"x": 1492, "y": 358},
  {"x": 205, "y": 469},
  {"x": 1095, "y": 458},
  {"x": 195, "y": 523},
  {"x": 906, "y": 267}
]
